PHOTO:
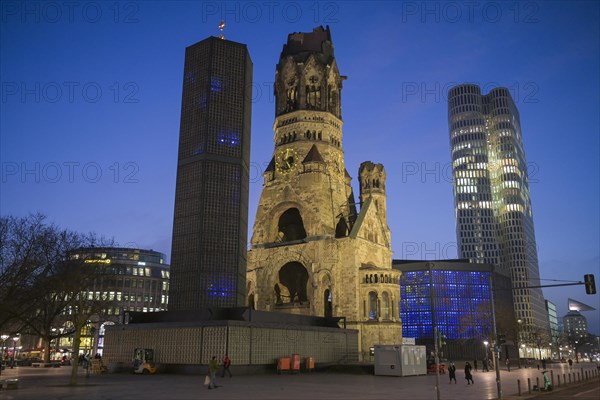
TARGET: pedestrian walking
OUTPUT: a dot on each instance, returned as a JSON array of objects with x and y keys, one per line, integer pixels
[
  {"x": 475, "y": 364},
  {"x": 508, "y": 364},
  {"x": 570, "y": 363},
  {"x": 452, "y": 372},
  {"x": 468, "y": 375},
  {"x": 485, "y": 366},
  {"x": 547, "y": 382},
  {"x": 213, "y": 367},
  {"x": 226, "y": 365},
  {"x": 543, "y": 363}
]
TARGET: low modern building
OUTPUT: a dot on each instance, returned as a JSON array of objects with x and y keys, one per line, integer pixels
[
  {"x": 135, "y": 280},
  {"x": 462, "y": 296}
]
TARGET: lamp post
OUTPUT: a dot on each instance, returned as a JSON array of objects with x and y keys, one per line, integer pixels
[
  {"x": 520, "y": 339},
  {"x": 486, "y": 343},
  {"x": 12, "y": 361},
  {"x": 435, "y": 333},
  {"x": 3, "y": 337}
]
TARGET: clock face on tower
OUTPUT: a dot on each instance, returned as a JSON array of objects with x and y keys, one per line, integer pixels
[{"x": 286, "y": 160}]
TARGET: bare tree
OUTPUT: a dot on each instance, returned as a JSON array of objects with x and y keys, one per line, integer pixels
[
  {"x": 23, "y": 259},
  {"x": 539, "y": 337},
  {"x": 41, "y": 287}
]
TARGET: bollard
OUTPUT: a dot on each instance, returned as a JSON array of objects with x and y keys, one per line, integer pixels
[
  {"x": 564, "y": 379},
  {"x": 552, "y": 378},
  {"x": 529, "y": 385},
  {"x": 537, "y": 382},
  {"x": 569, "y": 378},
  {"x": 578, "y": 377},
  {"x": 558, "y": 379},
  {"x": 519, "y": 386}
]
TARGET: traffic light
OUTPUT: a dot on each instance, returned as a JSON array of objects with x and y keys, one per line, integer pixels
[
  {"x": 590, "y": 284},
  {"x": 442, "y": 340},
  {"x": 501, "y": 339}
]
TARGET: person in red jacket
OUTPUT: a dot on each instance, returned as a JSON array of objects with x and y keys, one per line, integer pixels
[{"x": 226, "y": 365}]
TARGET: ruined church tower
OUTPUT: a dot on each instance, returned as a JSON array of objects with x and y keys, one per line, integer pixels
[{"x": 314, "y": 249}]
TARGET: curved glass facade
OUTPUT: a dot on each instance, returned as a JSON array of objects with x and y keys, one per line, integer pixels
[
  {"x": 135, "y": 280},
  {"x": 138, "y": 280},
  {"x": 494, "y": 219}
]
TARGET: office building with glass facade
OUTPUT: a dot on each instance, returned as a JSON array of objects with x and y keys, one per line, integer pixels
[
  {"x": 575, "y": 326},
  {"x": 210, "y": 224},
  {"x": 553, "y": 322},
  {"x": 134, "y": 280},
  {"x": 494, "y": 219},
  {"x": 462, "y": 298}
]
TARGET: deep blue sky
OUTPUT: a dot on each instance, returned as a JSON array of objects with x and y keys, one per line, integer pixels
[{"x": 97, "y": 88}]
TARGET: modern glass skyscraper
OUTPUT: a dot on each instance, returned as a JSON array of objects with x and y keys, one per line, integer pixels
[
  {"x": 553, "y": 321},
  {"x": 494, "y": 220},
  {"x": 210, "y": 224}
]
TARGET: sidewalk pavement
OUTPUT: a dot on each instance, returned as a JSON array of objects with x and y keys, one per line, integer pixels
[{"x": 52, "y": 383}]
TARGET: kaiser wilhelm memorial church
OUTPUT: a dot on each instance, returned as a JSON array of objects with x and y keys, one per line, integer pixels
[
  {"x": 318, "y": 278},
  {"x": 315, "y": 250}
]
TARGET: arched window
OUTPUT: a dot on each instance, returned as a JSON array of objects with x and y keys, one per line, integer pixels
[
  {"x": 341, "y": 230},
  {"x": 294, "y": 277},
  {"x": 291, "y": 226},
  {"x": 373, "y": 314},
  {"x": 385, "y": 306},
  {"x": 328, "y": 305},
  {"x": 333, "y": 103}
]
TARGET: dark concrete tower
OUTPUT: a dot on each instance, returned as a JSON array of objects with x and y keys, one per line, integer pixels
[{"x": 210, "y": 225}]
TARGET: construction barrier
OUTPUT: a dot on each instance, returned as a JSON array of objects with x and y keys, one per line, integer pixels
[{"x": 283, "y": 365}]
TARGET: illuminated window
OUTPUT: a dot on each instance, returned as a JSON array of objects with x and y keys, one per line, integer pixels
[{"x": 373, "y": 314}]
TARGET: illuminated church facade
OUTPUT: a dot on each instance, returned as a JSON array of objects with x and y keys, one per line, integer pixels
[{"x": 315, "y": 250}]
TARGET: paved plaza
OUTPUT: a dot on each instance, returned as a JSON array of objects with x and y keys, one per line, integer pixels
[{"x": 52, "y": 383}]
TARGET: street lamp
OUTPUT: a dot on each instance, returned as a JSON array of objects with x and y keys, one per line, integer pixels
[
  {"x": 486, "y": 343},
  {"x": 520, "y": 335},
  {"x": 15, "y": 340},
  {"x": 3, "y": 337}
]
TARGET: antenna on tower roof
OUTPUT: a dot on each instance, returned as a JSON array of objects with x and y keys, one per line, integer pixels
[{"x": 221, "y": 27}]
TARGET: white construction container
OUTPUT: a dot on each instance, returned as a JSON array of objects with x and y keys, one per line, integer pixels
[{"x": 400, "y": 360}]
